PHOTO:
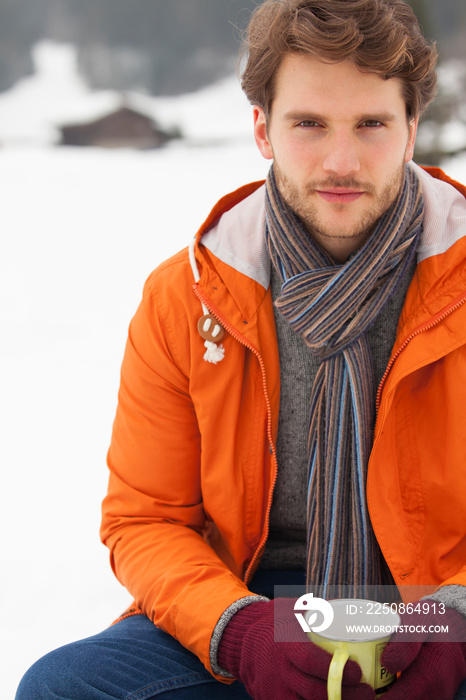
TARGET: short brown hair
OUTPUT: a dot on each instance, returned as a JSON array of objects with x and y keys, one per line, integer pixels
[{"x": 379, "y": 36}]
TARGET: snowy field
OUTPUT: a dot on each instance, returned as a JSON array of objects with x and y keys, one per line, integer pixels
[{"x": 81, "y": 231}]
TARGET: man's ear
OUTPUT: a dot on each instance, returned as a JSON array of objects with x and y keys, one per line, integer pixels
[
  {"x": 412, "y": 125},
  {"x": 260, "y": 133}
]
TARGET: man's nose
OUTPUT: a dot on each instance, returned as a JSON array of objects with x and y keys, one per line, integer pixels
[{"x": 342, "y": 156}]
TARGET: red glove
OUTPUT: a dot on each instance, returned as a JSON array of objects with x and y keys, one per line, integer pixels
[
  {"x": 281, "y": 670},
  {"x": 432, "y": 667}
]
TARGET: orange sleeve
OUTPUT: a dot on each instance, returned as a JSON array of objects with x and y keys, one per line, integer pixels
[{"x": 153, "y": 516}]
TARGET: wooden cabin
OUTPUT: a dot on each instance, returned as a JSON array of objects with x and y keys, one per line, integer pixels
[{"x": 123, "y": 128}]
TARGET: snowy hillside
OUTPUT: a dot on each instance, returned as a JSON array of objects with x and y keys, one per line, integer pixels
[{"x": 81, "y": 230}]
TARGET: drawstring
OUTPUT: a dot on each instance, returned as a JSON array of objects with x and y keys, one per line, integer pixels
[
  {"x": 209, "y": 328},
  {"x": 194, "y": 268}
]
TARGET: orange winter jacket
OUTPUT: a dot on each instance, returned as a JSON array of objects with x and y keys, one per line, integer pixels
[{"x": 192, "y": 458}]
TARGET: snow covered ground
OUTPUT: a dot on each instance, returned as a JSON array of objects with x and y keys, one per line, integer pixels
[{"x": 81, "y": 230}]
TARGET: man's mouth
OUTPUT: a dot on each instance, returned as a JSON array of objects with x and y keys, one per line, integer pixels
[{"x": 340, "y": 195}]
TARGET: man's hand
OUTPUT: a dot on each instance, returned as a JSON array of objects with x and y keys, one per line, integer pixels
[
  {"x": 432, "y": 665},
  {"x": 292, "y": 669}
]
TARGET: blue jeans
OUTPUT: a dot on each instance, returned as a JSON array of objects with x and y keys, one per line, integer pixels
[{"x": 134, "y": 660}]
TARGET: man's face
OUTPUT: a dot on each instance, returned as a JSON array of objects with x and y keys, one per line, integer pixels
[{"x": 339, "y": 139}]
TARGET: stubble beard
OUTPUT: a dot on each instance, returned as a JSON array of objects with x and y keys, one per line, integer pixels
[{"x": 301, "y": 201}]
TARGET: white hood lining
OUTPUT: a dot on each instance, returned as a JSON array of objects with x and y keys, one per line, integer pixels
[
  {"x": 238, "y": 238},
  {"x": 444, "y": 215}
]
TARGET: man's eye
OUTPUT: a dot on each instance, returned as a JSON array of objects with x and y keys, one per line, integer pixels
[
  {"x": 308, "y": 124},
  {"x": 371, "y": 123}
]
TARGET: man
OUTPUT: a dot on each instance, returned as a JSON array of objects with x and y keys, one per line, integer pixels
[{"x": 251, "y": 445}]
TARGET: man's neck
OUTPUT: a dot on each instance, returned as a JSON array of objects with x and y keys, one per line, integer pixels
[{"x": 340, "y": 248}]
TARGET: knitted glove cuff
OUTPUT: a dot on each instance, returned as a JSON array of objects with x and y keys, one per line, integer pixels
[
  {"x": 219, "y": 629},
  {"x": 234, "y": 634}
]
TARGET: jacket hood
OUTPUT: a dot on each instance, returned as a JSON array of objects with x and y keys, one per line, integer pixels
[{"x": 444, "y": 225}]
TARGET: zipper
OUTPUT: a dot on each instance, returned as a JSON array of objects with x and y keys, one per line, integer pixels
[
  {"x": 131, "y": 612},
  {"x": 424, "y": 327},
  {"x": 241, "y": 339}
]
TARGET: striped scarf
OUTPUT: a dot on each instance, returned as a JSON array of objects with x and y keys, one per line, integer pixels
[{"x": 332, "y": 306}]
